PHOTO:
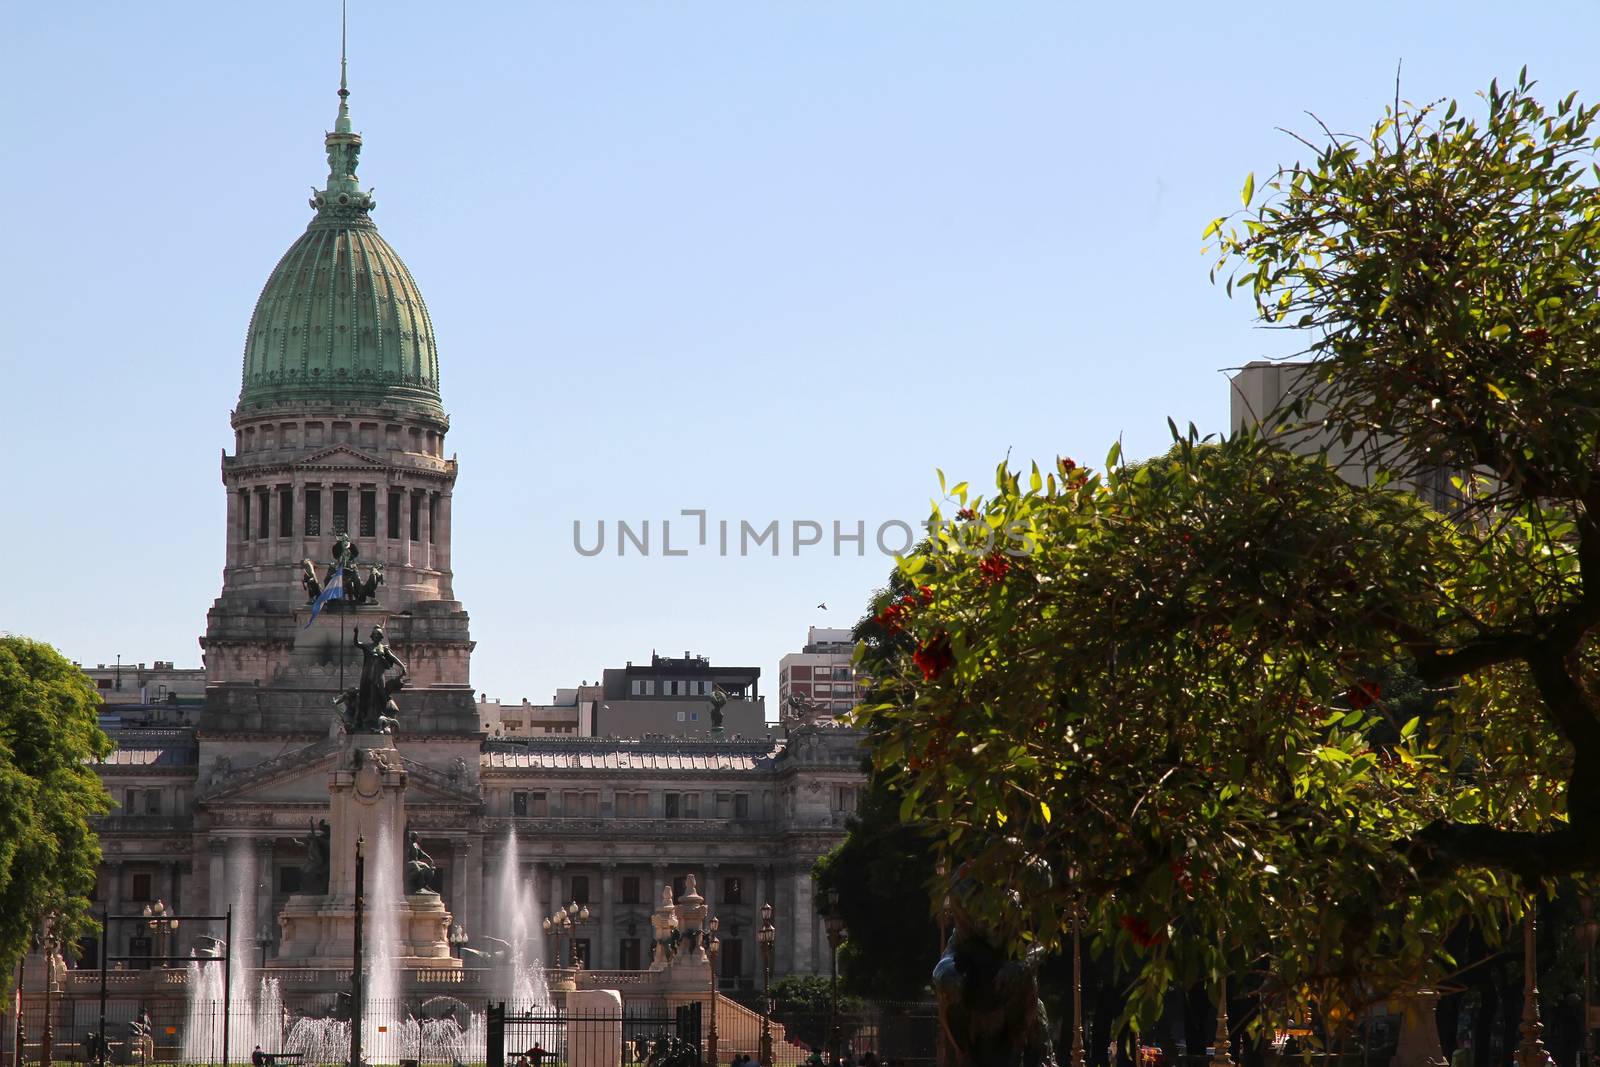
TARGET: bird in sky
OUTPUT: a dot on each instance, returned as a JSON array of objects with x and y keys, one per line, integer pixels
[{"x": 824, "y": 607}]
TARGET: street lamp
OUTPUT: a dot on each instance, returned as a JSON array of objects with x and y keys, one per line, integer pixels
[
  {"x": 561, "y": 923},
  {"x": 713, "y": 946},
  {"x": 51, "y": 947},
  {"x": 766, "y": 937},
  {"x": 1588, "y": 929},
  {"x": 156, "y": 919},
  {"x": 458, "y": 939},
  {"x": 836, "y": 937}
]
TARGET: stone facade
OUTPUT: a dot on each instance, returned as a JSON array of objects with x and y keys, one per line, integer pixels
[{"x": 216, "y": 810}]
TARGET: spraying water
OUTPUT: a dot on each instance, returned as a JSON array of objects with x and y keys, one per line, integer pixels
[
  {"x": 383, "y": 1013},
  {"x": 517, "y": 904}
]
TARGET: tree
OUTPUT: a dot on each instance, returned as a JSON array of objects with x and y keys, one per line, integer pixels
[
  {"x": 1167, "y": 679},
  {"x": 49, "y": 853}
]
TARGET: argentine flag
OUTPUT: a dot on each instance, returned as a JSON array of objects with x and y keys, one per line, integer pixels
[{"x": 335, "y": 587}]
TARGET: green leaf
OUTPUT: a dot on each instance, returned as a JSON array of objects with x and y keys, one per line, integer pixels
[{"x": 1249, "y": 188}]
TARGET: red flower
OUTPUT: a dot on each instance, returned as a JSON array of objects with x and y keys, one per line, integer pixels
[
  {"x": 1139, "y": 929},
  {"x": 966, "y": 513},
  {"x": 1066, "y": 464},
  {"x": 993, "y": 568},
  {"x": 926, "y": 592},
  {"x": 1364, "y": 694},
  {"x": 934, "y": 657},
  {"x": 1538, "y": 335},
  {"x": 891, "y": 618}
]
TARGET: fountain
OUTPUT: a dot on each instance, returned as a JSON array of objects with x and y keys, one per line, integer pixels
[{"x": 523, "y": 984}]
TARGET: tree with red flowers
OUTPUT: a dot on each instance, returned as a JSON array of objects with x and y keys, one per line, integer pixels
[{"x": 1170, "y": 679}]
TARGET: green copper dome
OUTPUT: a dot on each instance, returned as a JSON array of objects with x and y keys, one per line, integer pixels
[{"x": 341, "y": 320}]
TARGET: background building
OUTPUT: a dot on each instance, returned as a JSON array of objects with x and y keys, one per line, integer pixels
[
  {"x": 821, "y": 672},
  {"x": 672, "y": 696}
]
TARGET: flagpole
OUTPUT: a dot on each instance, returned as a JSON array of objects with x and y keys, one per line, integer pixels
[{"x": 341, "y": 632}]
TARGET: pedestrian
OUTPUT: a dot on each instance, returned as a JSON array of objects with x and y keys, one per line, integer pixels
[
  {"x": 536, "y": 1055},
  {"x": 258, "y": 1058}
]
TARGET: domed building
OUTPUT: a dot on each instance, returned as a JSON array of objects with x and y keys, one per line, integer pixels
[
  {"x": 339, "y": 429},
  {"x": 339, "y": 468}
]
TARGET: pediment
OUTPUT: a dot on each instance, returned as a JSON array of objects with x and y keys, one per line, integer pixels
[
  {"x": 301, "y": 777},
  {"x": 341, "y": 456}
]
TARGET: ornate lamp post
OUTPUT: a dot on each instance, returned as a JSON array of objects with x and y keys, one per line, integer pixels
[
  {"x": 1588, "y": 930},
  {"x": 51, "y": 947},
  {"x": 1079, "y": 1056},
  {"x": 1530, "y": 1050},
  {"x": 562, "y": 923},
  {"x": 766, "y": 937},
  {"x": 713, "y": 946},
  {"x": 836, "y": 937},
  {"x": 156, "y": 919}
]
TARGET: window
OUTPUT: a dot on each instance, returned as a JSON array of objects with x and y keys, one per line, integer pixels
[
  {"x": 288, "y": 879},
  {"x": 571, "y": 805},
  {"x": 628, "y": 956},
  {"x": 844, "y": 798},
  {"x": 152, "y": 802},
  {"x": 680, "y": 716},
  {"x": 741, "y": 805},
  {"x": 285, "y": 512},
  {"x": 732, "y": 957},
  {"x": 433, "y": 517},
  {"x": 416, "y": 516},
  {"x": 244, "y": 516},
  {"x": 394, "y": 515},
  {"x": 691, "y": 805},
  {"x": 519, "y": 803},
  {"x": 669, "y": 805},
  {"x": 638, "y": 686},
  {"x": 580, "y": 951},
  {"x": 140, "y": 890},
  {"x": 341, "y": 511},
  {"x": 630, "y": 892},
  {"x": 264, "y": 514},
  {"x": 369, "y": 513},
  {"x": 591, "y": 805},
  {"x": 313, "y": 512},
  {"x": 724, "y": 805},
  {"x": 538, "y": 805},
  {"x": 732, "y": 891},
  {"x": 679, "y": 887},
  {"x": 580, "y": 888}
]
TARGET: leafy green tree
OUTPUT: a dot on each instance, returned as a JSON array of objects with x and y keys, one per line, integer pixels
[
  {"x": 1167, "y": 680},
  {"x": 49, "y": 853}
]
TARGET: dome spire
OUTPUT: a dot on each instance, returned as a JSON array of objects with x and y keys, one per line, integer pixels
[
  {"x": 343, "y": 197},
  {"x": 342, "y": 124}
]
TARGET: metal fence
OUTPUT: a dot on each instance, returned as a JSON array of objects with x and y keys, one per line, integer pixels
[{"x": 309, "y": 1029}]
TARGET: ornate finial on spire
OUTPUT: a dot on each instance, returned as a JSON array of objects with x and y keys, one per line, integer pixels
[
  {"x": 343, "y": 198},
  {"x": 342, "y": 124}
]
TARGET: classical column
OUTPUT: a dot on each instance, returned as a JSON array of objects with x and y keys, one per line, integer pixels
[
  {"x": 805, "y": 921},
  {"x": 425, "y": 535},
  {"x": 658, "y": 878},
  {"x": 232, "y": 540},
  {"x": 467, "y": 881},
  {"x": 710, "y": 891},
  {"x": 265, "y": 917},
  {"x": 217, "y": 880},
  {"x": 607, "y": 954},
  {"x": 441, "y": 549}
]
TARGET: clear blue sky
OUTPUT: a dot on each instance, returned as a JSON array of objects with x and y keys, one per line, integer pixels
[{"x": 778, "y": 260}]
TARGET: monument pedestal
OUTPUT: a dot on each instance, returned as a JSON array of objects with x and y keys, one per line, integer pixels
[{"x": 367, "y": 799}]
